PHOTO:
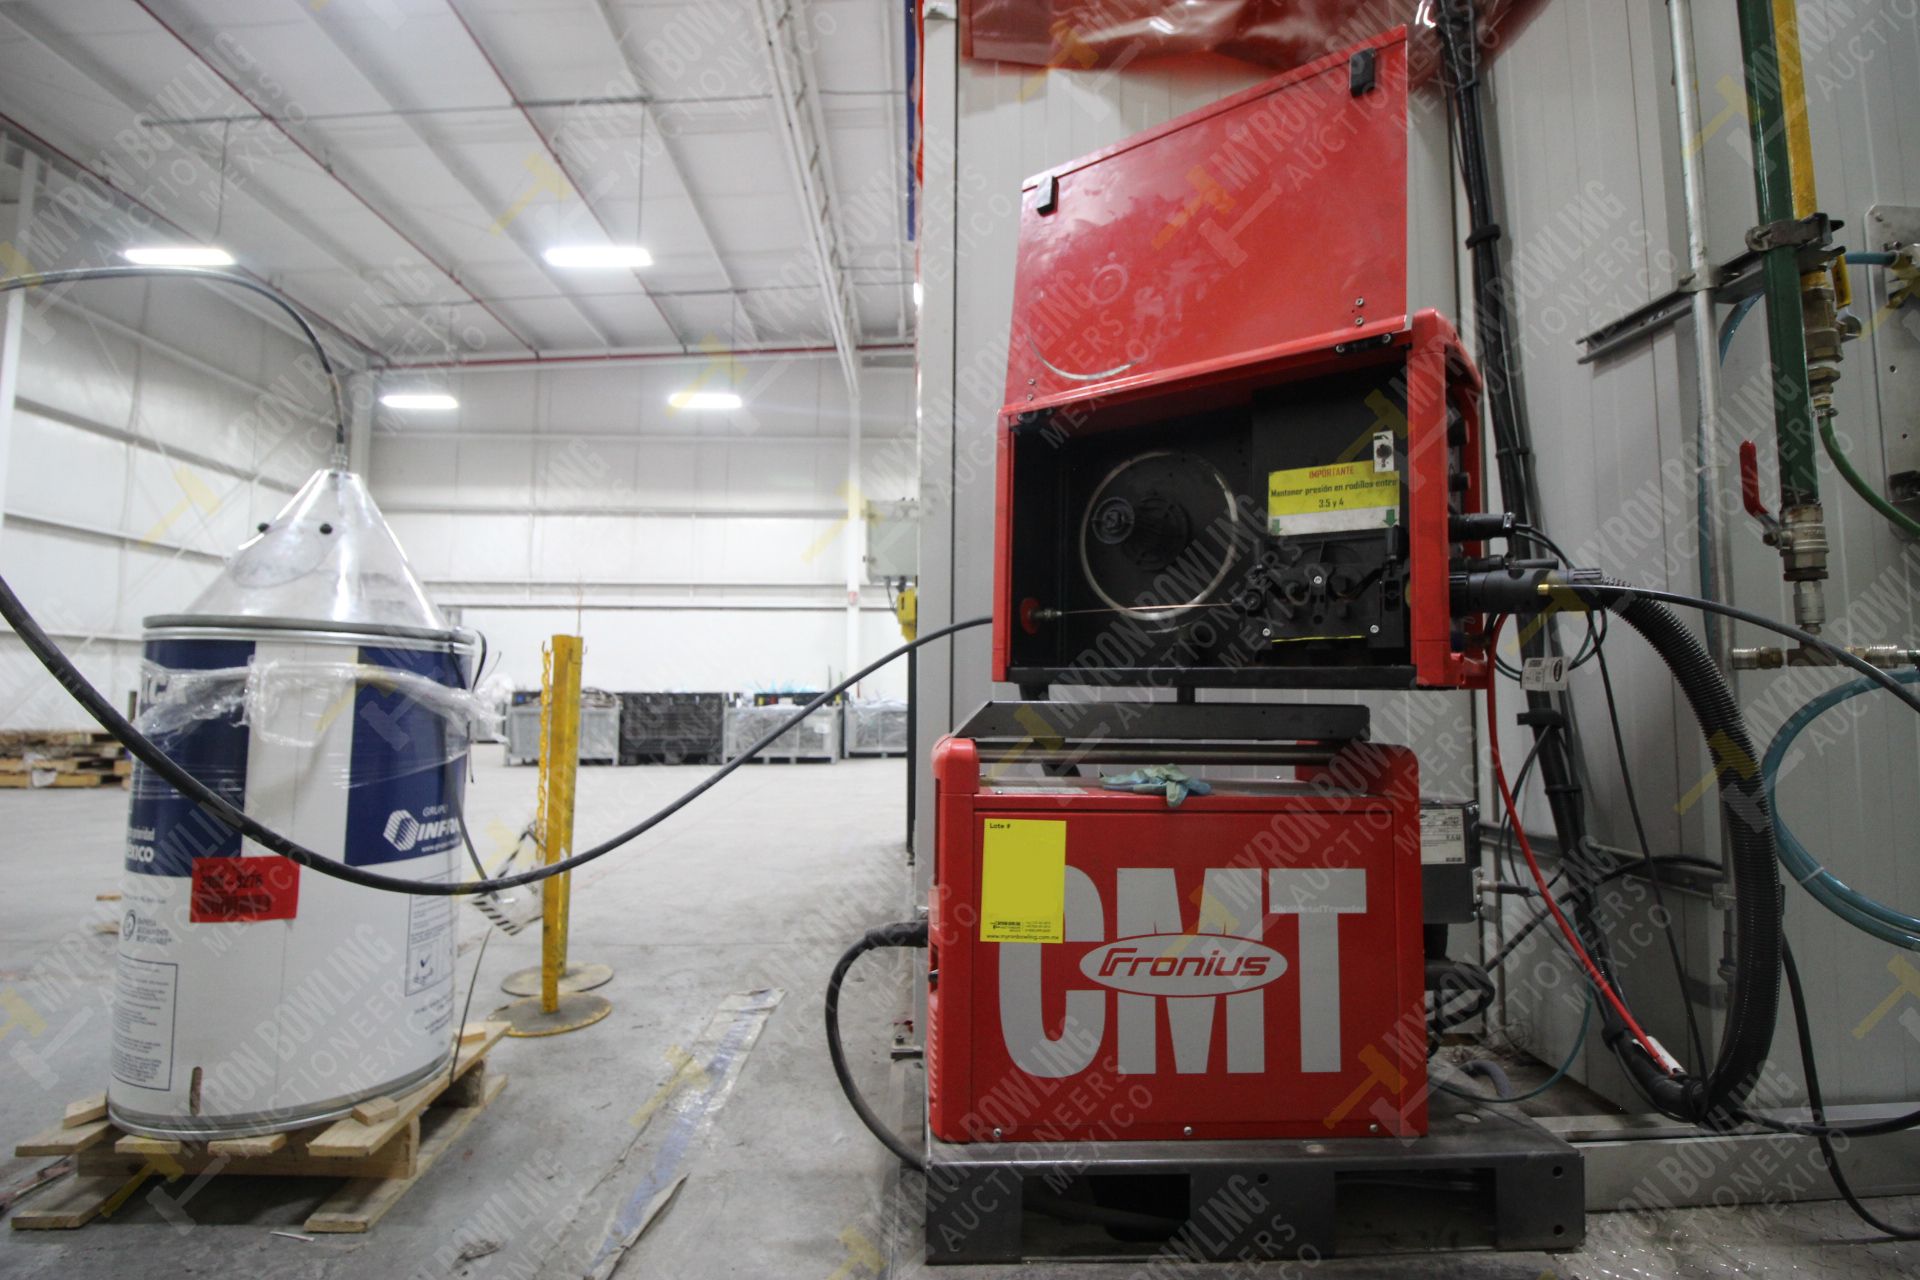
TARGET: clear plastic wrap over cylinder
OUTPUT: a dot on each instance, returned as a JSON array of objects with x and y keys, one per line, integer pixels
[{"x": 314, "y": 685}]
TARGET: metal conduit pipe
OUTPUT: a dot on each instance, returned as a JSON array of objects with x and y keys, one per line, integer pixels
[{"x": 1716, "y": 560}]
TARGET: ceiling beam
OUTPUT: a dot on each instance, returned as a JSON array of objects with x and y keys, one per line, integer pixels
[
  {"x": 878, "y": 352},
  {"x": 331, "y": 170},
  {"x": 560, "y": 163},
  {"x": 803, "y": 133},
  {"x": 650, "y": 112},
  {"x": 328, "y": 19},
  {"x": 77, "y": 171},
  {"x": 897, "y": 142},
  {"x": 101, "y": 77}
]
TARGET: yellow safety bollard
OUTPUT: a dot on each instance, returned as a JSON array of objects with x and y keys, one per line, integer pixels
[{"x": 557, "y": 998}]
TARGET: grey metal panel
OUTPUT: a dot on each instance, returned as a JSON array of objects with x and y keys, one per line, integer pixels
[{"x": 1584, "y": 114}]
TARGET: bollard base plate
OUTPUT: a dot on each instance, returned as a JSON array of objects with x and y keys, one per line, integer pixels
[
  {"x": 526, "y": 1019},
  {"x": 576, "y": 977}
]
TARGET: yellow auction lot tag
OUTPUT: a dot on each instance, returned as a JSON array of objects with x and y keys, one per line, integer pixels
[
  {"x": 1023, "y": 880},
  {"x": 1332, "y": 499}
]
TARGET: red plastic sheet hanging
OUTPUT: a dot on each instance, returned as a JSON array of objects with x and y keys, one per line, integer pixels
[{"x": 1091, "y": 35}]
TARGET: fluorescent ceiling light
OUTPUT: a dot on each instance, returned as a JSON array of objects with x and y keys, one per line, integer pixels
[
  {"x": 704, "y": 400},
  {"x": 593, "y": 257},
  {"x": 177, "y": 255},
  {"x": 437, "y": 400}
]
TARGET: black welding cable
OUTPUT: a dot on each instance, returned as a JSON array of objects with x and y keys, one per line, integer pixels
[
  {"x": 1803, "y": 1031},
  {"x": 1449, "y": 980},
  {"x": 1754, "y": 987},
  {"x": 77, "y": 275},
  {"x": 913, "y": 933},
  {"x": 143, "y": 749},
  {"x": 1540, "y": 538},
  {"x": 1505, "y": 953},
  {"x": 1753, "y": 998},
  {"x": 1615, "y": 594},
  {"x": 904, "y": 933},
  {"x": 1652, "y": 867},
  {"x": 1458, "y": 29}
]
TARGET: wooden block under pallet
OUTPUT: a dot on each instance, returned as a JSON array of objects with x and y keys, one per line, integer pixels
[
  {"x": 65, "y": 1140},
  {"x": 74, "y": 1201},
  {"x": 85, "y": 1111},
  {"x": 351, "y": 1138},
  {"x": 291, "y": 1158},
  {"x": 362, "y": 1202},
  {"x": 264, "y": 1144}
]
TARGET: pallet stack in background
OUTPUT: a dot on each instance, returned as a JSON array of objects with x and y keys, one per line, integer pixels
[{"x": 34, "y": 758}]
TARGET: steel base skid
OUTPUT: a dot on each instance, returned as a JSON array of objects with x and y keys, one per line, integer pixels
[{"x": 1480, "y": 1179}]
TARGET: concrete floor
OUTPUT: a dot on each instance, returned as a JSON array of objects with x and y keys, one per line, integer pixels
[{"x": 758, "y": 885}]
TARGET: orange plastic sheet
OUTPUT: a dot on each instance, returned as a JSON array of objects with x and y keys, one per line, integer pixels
[{"x": 1281, "y": 34}]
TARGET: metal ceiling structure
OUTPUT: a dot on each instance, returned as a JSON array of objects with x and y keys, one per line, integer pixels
[{"x": 400, "y": 165}]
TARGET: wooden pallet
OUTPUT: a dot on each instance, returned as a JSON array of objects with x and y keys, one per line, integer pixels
[
  {"x": 32, "y": 758},
  {"x": 381, "y": 1150}
]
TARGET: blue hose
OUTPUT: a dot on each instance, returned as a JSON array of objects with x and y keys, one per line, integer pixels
[
  {"x": 1829, "y": 890},
  {"x": 1559, "y": 1072}
]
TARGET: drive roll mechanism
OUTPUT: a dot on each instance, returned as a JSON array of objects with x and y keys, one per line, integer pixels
[{"x": 314, "y": 686}]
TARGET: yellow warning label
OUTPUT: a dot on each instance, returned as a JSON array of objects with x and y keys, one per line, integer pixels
[
  {"x": 1341, "y": 495},
  {"x": 1023, "y": 880}
]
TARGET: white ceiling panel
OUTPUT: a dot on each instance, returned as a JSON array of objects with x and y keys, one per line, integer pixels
[{"x": 381, "y": 186}]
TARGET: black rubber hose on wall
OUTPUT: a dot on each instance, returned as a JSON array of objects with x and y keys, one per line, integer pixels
[{"x": 1753, "y": 1002}]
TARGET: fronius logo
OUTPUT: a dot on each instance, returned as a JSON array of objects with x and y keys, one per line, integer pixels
[
  {"x": 1188, "y": 966},
  {"x": 1183, "y": 964}
]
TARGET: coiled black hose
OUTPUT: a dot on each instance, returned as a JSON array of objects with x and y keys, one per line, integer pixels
[
  {"x": 904, "y": 933},
  {"x": 913, "y": 933},
  {"x": 1753, "y": 1003}
]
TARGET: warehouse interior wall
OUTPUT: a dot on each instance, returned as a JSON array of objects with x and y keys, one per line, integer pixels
[
  {"x": 693, "y": 550},
  {"x": 156, "y": 423},
  {"x": 1588, "y": 155},
  {"x": 153, "y": 425}
]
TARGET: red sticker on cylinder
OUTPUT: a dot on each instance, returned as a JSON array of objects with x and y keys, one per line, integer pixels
[{"x": 232, "y": 890}]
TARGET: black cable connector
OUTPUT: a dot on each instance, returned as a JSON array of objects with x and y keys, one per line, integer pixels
[{"x": 1479, "y": 526}]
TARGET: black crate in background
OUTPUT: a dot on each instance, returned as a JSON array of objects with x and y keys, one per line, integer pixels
[{"x": 672, "y": 728}]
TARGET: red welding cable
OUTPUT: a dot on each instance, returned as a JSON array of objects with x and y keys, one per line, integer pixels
[{"x": 1598, "y": 979}]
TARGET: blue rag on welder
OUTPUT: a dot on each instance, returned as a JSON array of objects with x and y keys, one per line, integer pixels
[{"x": 1158, "y": 779}]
